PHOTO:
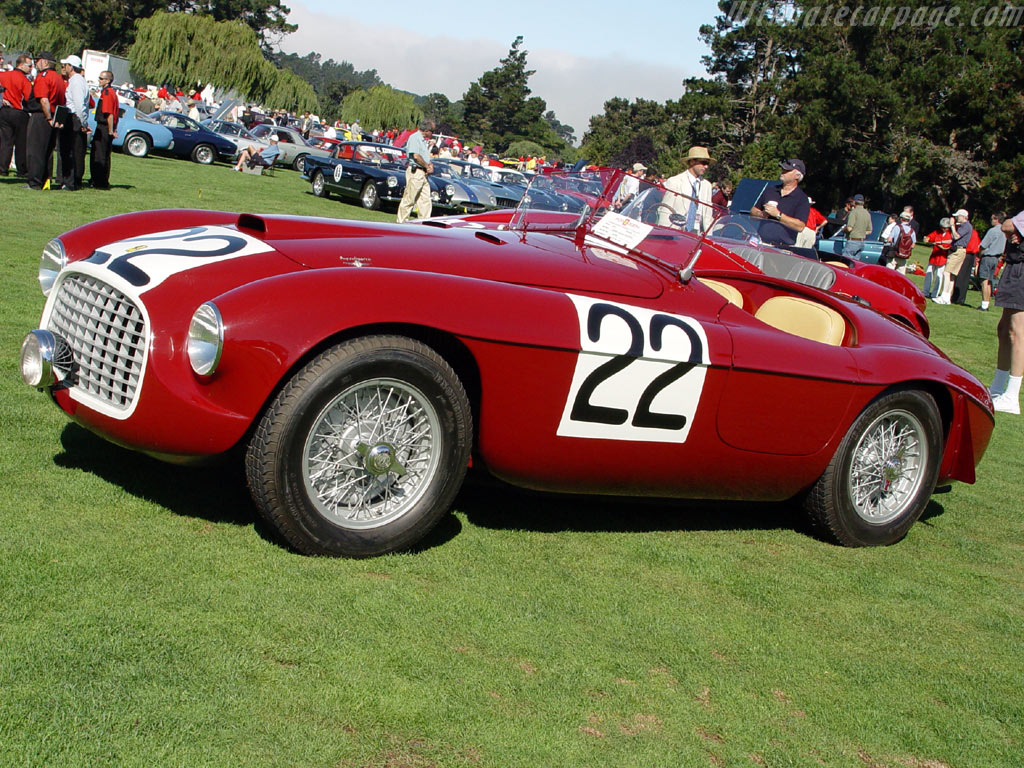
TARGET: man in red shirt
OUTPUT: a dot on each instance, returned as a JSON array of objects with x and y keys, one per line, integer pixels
[
  {"x": 47, "y": 95},
  {"x": 13, "y": 118},
  {"x": 107, "y": 110}
]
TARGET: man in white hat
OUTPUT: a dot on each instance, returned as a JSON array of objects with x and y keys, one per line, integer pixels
[
  {"x": 72, "y": 133},
  {"x": 958, "y": 254},
  {"x": 689, "y": 193}
]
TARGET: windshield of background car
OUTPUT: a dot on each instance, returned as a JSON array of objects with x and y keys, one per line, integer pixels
[{"x": 637, "y": 215}]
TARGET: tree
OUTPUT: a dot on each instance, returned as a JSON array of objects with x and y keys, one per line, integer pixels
[
  {"x": 183, "y": 48},
  {"x": 498, "y": 108},
  {"x": 381, "y": 107},
  {"x": 332, "y": 81},
  {"x": 267, "y": 18},
  {"x": 109, "y": 25},
  {"x": 927, "y": 113},
  {"x": 565, "y": 132},
  {"x": 19, "y": 36}
]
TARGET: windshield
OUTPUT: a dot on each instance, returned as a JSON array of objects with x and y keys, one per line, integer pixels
[{"x": 641, "y": 216}]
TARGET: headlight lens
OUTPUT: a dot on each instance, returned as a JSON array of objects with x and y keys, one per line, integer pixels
[
  {"x": 205, "y": 339},
  {"x": 450, "y": 191},
  {"x": 53, "y": 260},
  {"x": 37, "y": 359},
  {"x": 392, "y": 181}
]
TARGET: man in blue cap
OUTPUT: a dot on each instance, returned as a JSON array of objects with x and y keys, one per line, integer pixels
[{"x": 784, "y": 205}]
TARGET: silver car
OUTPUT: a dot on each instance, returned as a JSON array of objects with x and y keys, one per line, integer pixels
[{"x": 294, "y": 149}]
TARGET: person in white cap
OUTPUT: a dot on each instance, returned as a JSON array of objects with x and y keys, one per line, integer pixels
[
  {"x": 1005, "y": 387},
  {"x": 264, "y": 157},
  {"x": 71, "y": 138},
  {"x": 630, "y": 185},
  {"x": 961, "y": 236},
  {"x": 689, "y": 194}
]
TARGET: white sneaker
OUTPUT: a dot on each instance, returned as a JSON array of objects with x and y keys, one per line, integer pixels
[
  {"x": 1006, "y": 404},
  {"x": 941, "y": 300}
]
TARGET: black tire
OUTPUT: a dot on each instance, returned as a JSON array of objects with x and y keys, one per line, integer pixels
[
  {"x": 880, "y": 511},
  {"x": 324, "y": 472},
  {"x": 136, "y": 144},
  {"x": 299, "y": 163},
  {"x": 204, "y": 154},
  {"x": 320, "y": 185},
  {"x": 368, "y": 196}
]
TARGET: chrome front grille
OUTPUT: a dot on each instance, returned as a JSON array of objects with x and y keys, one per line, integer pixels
[
  {"x": 107, "y": 335},
  {"x": 506, "y": 202}
]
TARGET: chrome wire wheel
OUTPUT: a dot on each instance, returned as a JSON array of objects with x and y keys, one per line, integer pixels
[
  {"x": 371, "y": 453},
  {"x": 888, "y": 468},
  {"x": 318, "y": 184},
  {"x": 882, "y": 475}
]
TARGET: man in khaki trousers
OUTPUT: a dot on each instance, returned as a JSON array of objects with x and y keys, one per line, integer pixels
[{"x": 417, "y": 184}]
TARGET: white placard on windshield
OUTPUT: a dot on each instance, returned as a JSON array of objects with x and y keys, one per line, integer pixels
[{"x": 621, "y": 230}]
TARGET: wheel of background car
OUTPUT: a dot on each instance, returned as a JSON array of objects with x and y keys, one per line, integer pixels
[
  {"x": 883, "y": 473},
  {"x": 369, "y": 197},
  {"x": 299, "y": 163},
  {"x": 136, "y": 144},
  {"x": 204, "y": 154},
  {"x": 319, "y": 187},
  {"x": 363, "y": 450}
]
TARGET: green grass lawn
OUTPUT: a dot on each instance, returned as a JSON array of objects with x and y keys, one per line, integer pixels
[{"x": 147, "y": 619}]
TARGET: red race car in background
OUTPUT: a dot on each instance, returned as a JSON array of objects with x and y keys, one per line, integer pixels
[{"x": 363, "y": 366}]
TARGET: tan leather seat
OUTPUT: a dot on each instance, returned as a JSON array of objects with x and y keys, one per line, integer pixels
[
  {"x": 838, "y": 264},
  {"x": 730, "y": 292},
  {"x": 804, "y": 318}
]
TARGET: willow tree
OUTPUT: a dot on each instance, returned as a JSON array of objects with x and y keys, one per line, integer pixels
[
  {"x": 48, "y": 35},
  {"x": 185, "y": 48},
  {"x": 381, "y": 107},
  {"x": 291, "y": 92}
]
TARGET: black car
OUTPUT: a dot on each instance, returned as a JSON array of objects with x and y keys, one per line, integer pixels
[{"x": 367, "y": 172}]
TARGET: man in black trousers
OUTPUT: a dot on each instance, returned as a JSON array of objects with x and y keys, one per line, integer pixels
[
  {"x": 47, "y": 95},
  {"x": 105, "y": 133},
  {"x": 17, "y": 89}
]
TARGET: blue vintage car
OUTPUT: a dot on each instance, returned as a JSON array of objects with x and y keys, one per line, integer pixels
[
  {"x": 833, "y": 239},
  {"x": 367, "y": 172},
  {"x": 137, "y": 133},
  {"x": 193, "y": 140}
]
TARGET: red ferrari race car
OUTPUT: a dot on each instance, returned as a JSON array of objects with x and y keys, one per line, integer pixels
[{"x": 362, "y": 367}]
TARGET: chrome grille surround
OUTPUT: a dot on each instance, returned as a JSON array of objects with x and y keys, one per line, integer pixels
[{"x": 107, "y": 334}]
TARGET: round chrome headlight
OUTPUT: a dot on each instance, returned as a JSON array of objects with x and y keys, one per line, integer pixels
[
  {"x": 37, "y": 359},
  {"x": 205, "y": 339},
  {"x": 53, "y": 260},
  {"x": 450, "y": 191},
  {"x": 392, "y": 181}
]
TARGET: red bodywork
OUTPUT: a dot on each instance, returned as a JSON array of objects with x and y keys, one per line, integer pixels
[{"x": 507, "y": 309}]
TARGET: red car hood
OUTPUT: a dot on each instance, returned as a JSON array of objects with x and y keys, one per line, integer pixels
[{"x": 538, "y": 259}]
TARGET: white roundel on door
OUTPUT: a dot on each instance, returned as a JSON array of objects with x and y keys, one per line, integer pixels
[{"x": 639, "y": 374}]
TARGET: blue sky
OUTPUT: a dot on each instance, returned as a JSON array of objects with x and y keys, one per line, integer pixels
[{"x": 582, "y": 55}]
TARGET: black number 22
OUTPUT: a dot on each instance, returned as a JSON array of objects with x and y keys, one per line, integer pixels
[{"x": 584, "y": 410}]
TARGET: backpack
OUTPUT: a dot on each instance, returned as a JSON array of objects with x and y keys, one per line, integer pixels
[
  {"x": 974, "y": 244},
  {"x": 905, "y": 242}
]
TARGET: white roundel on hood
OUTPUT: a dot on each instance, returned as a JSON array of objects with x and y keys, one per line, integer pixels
[{"x": 145, "y": 262}]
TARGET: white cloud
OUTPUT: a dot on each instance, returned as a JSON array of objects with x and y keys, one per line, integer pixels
[{"x": 575, "y": 87}]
